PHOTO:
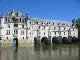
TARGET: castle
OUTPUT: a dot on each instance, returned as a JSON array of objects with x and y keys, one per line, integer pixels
[{"x": 24, "y": 29}]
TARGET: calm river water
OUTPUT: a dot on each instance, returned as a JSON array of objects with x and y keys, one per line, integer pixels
[{"x": 44, "y": 52}]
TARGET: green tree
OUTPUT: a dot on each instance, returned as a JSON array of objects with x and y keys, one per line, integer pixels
[{"x": 78, "y": 26}]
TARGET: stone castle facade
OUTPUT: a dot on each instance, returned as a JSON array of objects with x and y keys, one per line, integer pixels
[{"x": 23, "y": 28}]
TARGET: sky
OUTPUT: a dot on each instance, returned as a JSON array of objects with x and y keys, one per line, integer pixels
[{"x": 50, "y": 9}]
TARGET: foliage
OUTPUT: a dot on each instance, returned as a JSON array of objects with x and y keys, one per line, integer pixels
[{"x": 78, "y": 21}]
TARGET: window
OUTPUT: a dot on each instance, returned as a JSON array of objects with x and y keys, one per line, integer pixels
[
  {"x": 53, "y": 23},
  {"x": 39, "y": 33},
  {"x": 49, "y": 33},
  {"x": 5, "y": 19},
  {"x": 44, "y": 27},
  {"x": 64, "y": 28},
  {"x": 25, "y": 21},
  {"x": 59, "y": 27},
  {"x": 70, "y": 33},
  {"x": 55, "y": 33},
  {"x": 37, "y": 22},
  {"x": 22, "y": 32},
  {"x": 8, "y": 20},
  {"x": 16, "y": 14},
  {"x": 39, "y": 27},
  {"x": 73, "y": 28},
  {"x": 20, "y": 19},
  {"x": 30, "y": 22},
  {"x": 32, "y": 27},
  {"x": 15, "y": 25},
  {"x": 44, "y": 33},
  {"x": 15, "y": 20},
  {"x": 22, "y": 26},
  {"x": 64, "y": 33},
  {"x": 59, "y": 33},
  {"x": 8, "y": 32},
  {"x": 15, "y": 31}
]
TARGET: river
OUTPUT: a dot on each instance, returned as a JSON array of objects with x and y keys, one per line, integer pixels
[{"x": 41, "y": 52}]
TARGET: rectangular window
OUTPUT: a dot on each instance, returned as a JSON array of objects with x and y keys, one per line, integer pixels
[
  {"x": 39, "y": 33},
  {"x": 8, "y": 32},
  {"x": 49, "y": 33},
  {"x": 64, "y": 33},
  {"x": 22, "y": 32},
  {"x": 60, "y": 33},
  {"x": 55, "y": 33},
  {"x": 44, "y": 33},
  {"x": 22, "y": 26},
  {"x": 20, "y": 19},
  {"x": 39, "y": 27},
  {"x": 64, "y": 28},
  {"x": 15, "y": 31},
  {"x": 15, "y": 25},
  {"x": 59, "y": 28}
]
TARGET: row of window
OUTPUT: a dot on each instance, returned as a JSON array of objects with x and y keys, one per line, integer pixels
[
  {"x": 15, "y": 32},
  {"x": 33, "y": 22},
  {"x": 15, "y": 25},
  {"x": 49, "y": 28},
  {"x": 14, "y": 20}
]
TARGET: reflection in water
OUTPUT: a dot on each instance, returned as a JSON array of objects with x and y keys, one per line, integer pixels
[{"x": 41, "y": 52}]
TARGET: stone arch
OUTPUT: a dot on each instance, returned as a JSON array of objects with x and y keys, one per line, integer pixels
[
  {"x": 74, "y": 39},
  {"x": 35, "y": 40},
  {"x": 55, "y": 40},
  {"x": 44, "y": 40},
  {"x": 65, "y": 40}
]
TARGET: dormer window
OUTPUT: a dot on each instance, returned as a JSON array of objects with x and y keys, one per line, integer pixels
[
  {"x": 14, "y": 20},
  {"x": 53, "y": 23},
  {"x": 30, "y": 22},
  {"x": 16, "y": 14},
  {"x": 5, "y": 19},
  {"x": 25, "y": 20},
  {"x": 37, "y": 22},
  {"x": 20, "y": 19},
  {"x": 64, "y": 28}
]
